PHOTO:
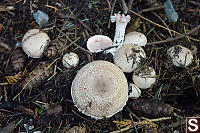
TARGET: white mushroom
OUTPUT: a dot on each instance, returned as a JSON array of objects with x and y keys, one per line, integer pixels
[
  {"x": 136, "y": 38},
  {"x": 180, "y": 56},
  {"x": 35, "y": 42},
  {"x": 121, "y": 23},
  {"x": 134, "y": 91},
  {"x": 129, "y": 57},
  {"x": 98, "y": 43},
  {"x": 100, "y": 89},
  {"x": 144, "y": 78},
  {"x": 70, "y": 60}
]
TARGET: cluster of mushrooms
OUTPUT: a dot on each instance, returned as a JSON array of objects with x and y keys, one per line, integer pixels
[
  {"x": 35, "y": 42},
  {"x": 100, "y": 88}
]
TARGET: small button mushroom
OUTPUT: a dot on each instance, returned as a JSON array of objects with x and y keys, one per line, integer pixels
[
  {"x": 134, "y": 91},
  {"x": 35, "y": 42},
  {"x": 136, "y": 38},
  {"x": 129, "y": 57},
  {"x": 70, "y": 60},
  {"x": 180, "y": 56},
  {"x": 144, "y": 78},
  {"x": 100, "y": 89},
  {"x": 98, "y": 43}
]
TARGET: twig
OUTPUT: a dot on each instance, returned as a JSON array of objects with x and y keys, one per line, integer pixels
[
  {"x": 8, "y": 8},
  {"x": 130, "y": 114},
  {"x": 194, "y": 3},
  {"x": 86, "y": 26},
  {"x": 111, "y": 12},
  {"x": 133, "y": 123},
  {"x": 4, "y": 84},
  {"x": 74, "y": 43},
  {"x": 123, "y": 129},
  {"x": 175, "y": 38},
  {"x": 151, "y": 9},
  {"x": 83, "y": 49},
  {"x": 109, "y": 6},
  {"x": 162, "y": 22},
  {"x": 124, "y": 7},
  {"x": 130, "y": 3},
  {"x": 75, "y": 18},
  {"x": 174, "y": 125},
  {"x": 161, "y": 25}
]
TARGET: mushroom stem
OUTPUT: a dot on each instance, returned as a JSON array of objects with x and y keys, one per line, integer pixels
[{"x": 121, "y": 23}]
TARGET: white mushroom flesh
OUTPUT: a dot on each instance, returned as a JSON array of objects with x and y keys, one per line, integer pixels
[
  {"x": 129, "y": 57},
  {"x": 136, "y": 38},
  {"x": 70, "y": 60},
  {"x": 180, "y": 56},
  {"x": 121, "y": 23},
  {"x": 100, "y": 89},
  {"x": 144, "y": 78},
  {"x": 134, "y": 91},
  {"x": 35, "y": 42}
]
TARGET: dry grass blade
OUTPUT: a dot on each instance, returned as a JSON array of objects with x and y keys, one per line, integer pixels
[
  {"x": 175, "y": 38},
  {"x": 161, "y": 26},
  {"x": 127, "y": 124},
  {"x": 15, "y": 78}
]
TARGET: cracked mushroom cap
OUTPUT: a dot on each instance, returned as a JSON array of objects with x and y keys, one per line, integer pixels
[
  {"x": 98, "y": 43},
  {"x": 100, "y": 89},
  {"x": 136, "y": 38},
  {"x": 134, "y": 91},
  {"x": 129, "y": 57},
  {"x": 144, "y": 78},
  {"x": 34, "y": 43},
  {"x": 180, "y": 56}
]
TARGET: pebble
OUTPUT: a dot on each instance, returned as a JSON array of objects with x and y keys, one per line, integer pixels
[
  {"x": 41, "y": 18},
  {"x": 170, "y": 12}
]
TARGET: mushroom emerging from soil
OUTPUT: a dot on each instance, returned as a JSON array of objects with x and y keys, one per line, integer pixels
[
  {"x": 136, "y": 38},
  {"x": 121, "y": 23},
  {"x": 129, "y": 57},
  {"x": 70, "y": 60},
  {"x": 144, "y": 78},
  {"x": 98, "y": 43},
  {"x": 100, "y": 89},
  {"x": 180, "y": 56},
  {"x": 35, "y": 42},
  {"x": 134, "y": 91}
]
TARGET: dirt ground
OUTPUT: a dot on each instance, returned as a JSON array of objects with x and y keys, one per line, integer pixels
[{"x": 48, "y": 105}]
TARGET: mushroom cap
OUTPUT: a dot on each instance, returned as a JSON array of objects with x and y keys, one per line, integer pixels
[
  {"x": 35, "y": 42},
  {"x": 135, "y": 38},
  {"x": 98, "y": 43},
  {"x": 70, "y": 60},
  {"x": 129, "y": 57},
  {"x": 180, "y": 56},
  {"x": 135, "y": 92},
  {"x": 144, "y": 78},
  {"x": 100, "y": 89}
]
